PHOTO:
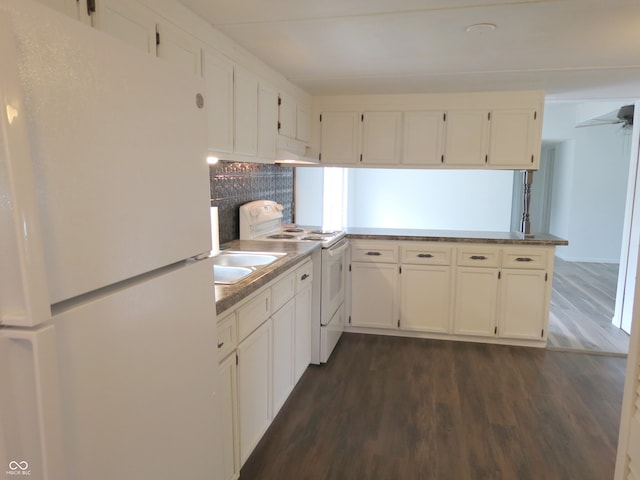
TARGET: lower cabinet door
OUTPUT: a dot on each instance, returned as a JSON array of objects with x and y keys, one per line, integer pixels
[
  {"x": 374, "y": 288},
  {"x": 227, "y": 408},
  {"x": 425, "y": 298},
  {"x": 302, "y": 329},
  {"x": 283, "y": 338},
  {"x": 254, "y": 388},
  {"x": 523, "y": 308},
  {"x": 476, "y": 299}
]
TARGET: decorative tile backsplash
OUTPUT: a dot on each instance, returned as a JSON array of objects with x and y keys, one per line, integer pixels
[{"x": 236, "y": 183}]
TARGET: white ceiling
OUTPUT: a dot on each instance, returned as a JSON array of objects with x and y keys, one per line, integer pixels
[{"x": 571, "y": 49}]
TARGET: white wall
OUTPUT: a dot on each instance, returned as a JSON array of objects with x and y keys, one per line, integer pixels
[
  {"x": 431, "y": 199},
  {"x": 590, "y": 173}
]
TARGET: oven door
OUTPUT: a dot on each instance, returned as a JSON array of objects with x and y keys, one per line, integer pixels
[{"x": 334, "y": 266}]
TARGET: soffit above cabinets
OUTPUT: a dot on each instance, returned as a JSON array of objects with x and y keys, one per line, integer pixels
[{"x": 570, "y": 49}]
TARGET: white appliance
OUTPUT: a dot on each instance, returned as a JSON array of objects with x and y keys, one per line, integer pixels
[
  {"x": 107, "y": 316},
  {"x": 262, "y": 220}
]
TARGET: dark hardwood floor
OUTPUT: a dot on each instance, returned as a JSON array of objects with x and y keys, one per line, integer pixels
[{"x": 398, "y": 408}]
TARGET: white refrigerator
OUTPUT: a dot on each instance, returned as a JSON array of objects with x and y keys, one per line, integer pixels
[{"x": 107, "y": 313}]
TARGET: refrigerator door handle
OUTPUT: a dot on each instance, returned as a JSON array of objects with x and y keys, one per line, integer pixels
[
  {"x": 44, "y": 420},
  {"x": 24, "y": 295}
]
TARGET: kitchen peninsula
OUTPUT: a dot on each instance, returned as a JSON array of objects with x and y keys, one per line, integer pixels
[{"x": 492, "y": 287}]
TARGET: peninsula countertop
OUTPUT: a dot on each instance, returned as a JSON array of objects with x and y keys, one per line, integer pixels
[{"x": 462, "y": 236}]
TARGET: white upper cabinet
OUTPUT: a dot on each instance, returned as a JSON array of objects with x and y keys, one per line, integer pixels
[
  {"x": 217, "y": 71},
  {"x": 179, "y": 48},
  {"x": 130, "y": 22},
  {"x": 513, "y": 133},
  {"x": 287, "y": 116},
  {"x": 267, "y": 122},
  {"x": 466, "y": 138},
  {"x": 423, "y": 138},
  {"x": 381, "y": 138},
  {"x": 303, "y": 123},
  {"x": 340, "y": 138},
  {"x": 245, "y": 94}
]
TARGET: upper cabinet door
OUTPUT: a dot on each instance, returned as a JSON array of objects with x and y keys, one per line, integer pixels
[
  {"x": 128, "y": 21},
  {"x": 423, "y": 138},
  {"x": 68, "y": 7},
  {"x": 512, "y": 139},
  {"x": 339, "y": 138},
  {"x": 245, "y": 94},
  {"x": 287, "y": 116},
  {"x": 303, "y": 123},
  {"x": 217, "y": 71},
  {"x": 179, "y": 48},
  {"x": 267, "y": 122},
  {"x": 381, "y": 138},
  {"x": 466, "y": 137}
]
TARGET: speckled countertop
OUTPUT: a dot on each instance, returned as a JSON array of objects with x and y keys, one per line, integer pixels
[
  {"x": 463, "y": 236},
  {"x": 296, "y": 252}
]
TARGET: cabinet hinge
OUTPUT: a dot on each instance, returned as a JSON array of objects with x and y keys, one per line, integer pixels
[
  {"x": 399, "y": 269},
  {"x": 535, "y": 115},
  {"x": 531, "y": 158},
  {"x": 91, "y": 7},
  {"x": 319, "y": 157},
  {"x": 441, "y": 158},
  {"x": 360, "y": 157},
  {"x": 489, "y": 116},
  {"x": 362, "y": 117},
  {"x": 157, "y": 38},
  {"x": 542, "y": 333},
  {"x": 495, "y": 330},
  {"x": 321, "y": 117},
  {"x": 546, "y": 277},
  {"x": 349, "y": 319},
  {"x": 499, "y": 275},
  {"x": 279, "y": 126},
  {"x": 279, "y": 101},
  {"x": 349, "y": 267},
  {"x": 486, "y": 158},
  {"x": 444, "y": 117},
  {"x": 398, "y": 323},
  {"x": 236, "y": 359}
]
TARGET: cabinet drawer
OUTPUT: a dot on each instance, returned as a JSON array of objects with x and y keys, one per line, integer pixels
[
  {"x": 374, "y": 252},
  {"x": 478, "y": 257},
  {"x": 282, "y": 291},
  {"x": 253, "y": 314},
  {"x": 227, "y": 335},
  {"x": 425, "y": 254},
  {"x": 528, "y": 259},
  {"x": 304, "y": 275}
]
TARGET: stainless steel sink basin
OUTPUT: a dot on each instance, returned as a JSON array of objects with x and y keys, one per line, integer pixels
[
  {"x": 230, "y": 267},
  {"x": 246, "y": 259},
  {"x": 229, "y": 275}
]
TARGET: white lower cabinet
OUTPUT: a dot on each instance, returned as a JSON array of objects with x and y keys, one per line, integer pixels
[
  {"x": 226, "y": 395},
  {"x": 302, "y": 331},
  {"x": 254, "y": 387},
  {"x": 524, "y": 304},
  {"x": 374, "y": 289},
  {"x": 425, "y": 298},
  {"x": 283, "y": 344},
  {"x": 476, "y": 298}
]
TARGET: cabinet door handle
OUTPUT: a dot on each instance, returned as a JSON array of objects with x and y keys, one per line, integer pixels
[
  {"x": 304, "y": 277},
  {"x": 374, "y": 254},
  {"x": 478, "y": 257},
  {"x": 220, "y": 345},
  {"x": 424, "y": 255},
  {"x": 524, "y": 259}
]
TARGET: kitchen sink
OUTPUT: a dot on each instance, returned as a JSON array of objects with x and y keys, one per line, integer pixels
[
  {"x": 230, "y": 267},
  {"x": 246, "y": 259},
  {"x": 229, "y": 275}
]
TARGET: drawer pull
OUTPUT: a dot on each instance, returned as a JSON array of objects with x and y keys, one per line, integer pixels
[
  {"x": 524, "y": 259},
  {"x": 220, "y": 344},
  {"x": 374, "y": 254},
  {"x": 304, "y": 277},
  {"x": 424, "y": 255},
  {"x": 478, "y": 257}
]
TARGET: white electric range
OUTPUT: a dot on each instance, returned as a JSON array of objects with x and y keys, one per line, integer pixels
[{"x": 262, "y": 220}]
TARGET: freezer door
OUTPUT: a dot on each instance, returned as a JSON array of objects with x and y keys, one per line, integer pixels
[
  {"x": 117, "y": 140},
  {"x": 137, "y": 375}
]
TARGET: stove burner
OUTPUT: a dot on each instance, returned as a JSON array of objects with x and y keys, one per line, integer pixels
[
  {"x": 317, "y": 238},
  {"x": 324, "y": 232},
  {"x": 281, "y": 236},
  {"x": 294, "y": 230}
]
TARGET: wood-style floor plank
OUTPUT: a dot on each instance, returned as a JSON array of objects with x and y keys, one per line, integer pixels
[
  {"x": 402, "y": 408},
  {"x": 582, "y": 306}
]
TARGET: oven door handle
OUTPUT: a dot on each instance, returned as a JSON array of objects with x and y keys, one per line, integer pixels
[{"x": 338, "y": 248}]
